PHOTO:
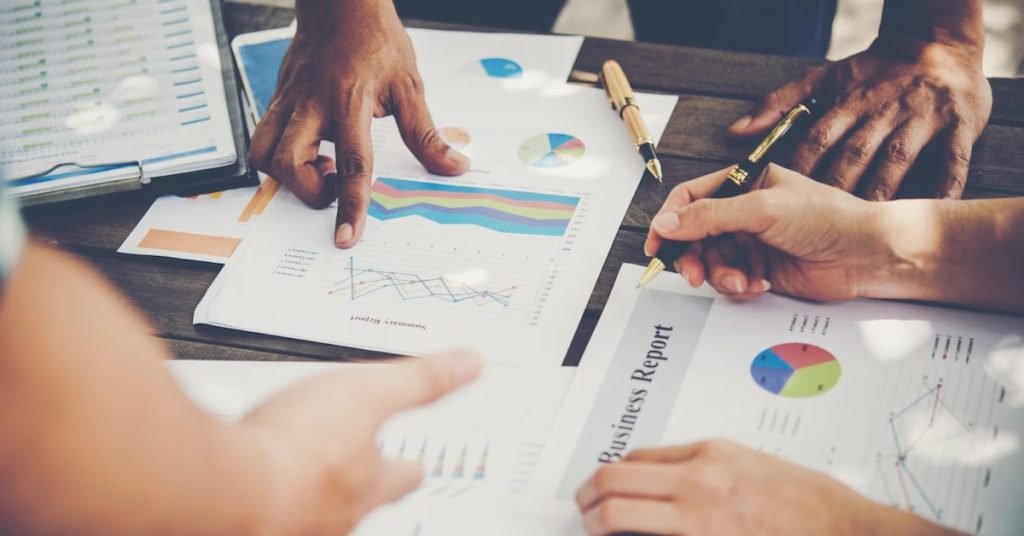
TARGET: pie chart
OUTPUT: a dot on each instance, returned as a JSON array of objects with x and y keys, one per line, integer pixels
[
  {"x": 796, "y": 370},
  {"x": 457, "y": 137},
  {"x": 551, "y": 150},
  {"x": 501, "y": 68}
]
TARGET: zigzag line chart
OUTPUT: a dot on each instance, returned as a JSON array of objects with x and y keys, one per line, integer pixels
[
  {"x": 361, "y": 282},
  {"x": 927, "y": 422}
]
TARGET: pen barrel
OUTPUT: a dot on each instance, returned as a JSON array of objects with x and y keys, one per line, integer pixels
[{"x": 635, "y": 123}]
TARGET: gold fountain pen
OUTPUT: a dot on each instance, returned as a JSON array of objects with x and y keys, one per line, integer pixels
[
  {"x": 620, "y": 93},
  {"x": 739, "y": 181}
]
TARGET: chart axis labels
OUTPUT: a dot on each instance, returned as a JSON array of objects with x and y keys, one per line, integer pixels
[{"x": 796, "y": 370}]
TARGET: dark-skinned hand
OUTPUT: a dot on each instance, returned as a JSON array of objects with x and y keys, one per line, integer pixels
[{"x": 350, "y": 61}]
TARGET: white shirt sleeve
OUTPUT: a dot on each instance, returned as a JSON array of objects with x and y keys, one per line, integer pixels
[{"x": 12, "y": 235}]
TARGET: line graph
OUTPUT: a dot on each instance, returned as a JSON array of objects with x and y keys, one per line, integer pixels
[
  {"x": 925, "y": 425},
  {"x": 361, "y": 282}
]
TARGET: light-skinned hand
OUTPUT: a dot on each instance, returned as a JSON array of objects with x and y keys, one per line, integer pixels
[
  {"x": 320, "y": 438},
  {"x": 718, "y": 487},
  {"x": 790, "y": 234},
  {"x": 350, "y": 61}
]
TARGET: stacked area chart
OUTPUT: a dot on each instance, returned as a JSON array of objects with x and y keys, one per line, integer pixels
[{"x": 503, "y": 211}]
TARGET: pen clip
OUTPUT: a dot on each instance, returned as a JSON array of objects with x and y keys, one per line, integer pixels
[{"x": 778, "y": 132}]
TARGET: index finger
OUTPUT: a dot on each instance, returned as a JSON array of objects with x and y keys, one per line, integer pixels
[
  {"x": 682, "y": 195},
  {"x": 415, "y": 382},
  {"x": 354, "y": 157}
]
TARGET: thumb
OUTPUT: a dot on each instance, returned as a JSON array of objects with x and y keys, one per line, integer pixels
[
  {"x": 396, "y": 479},
  {"x": 776, "y": 104},
  {"x": 420, "y": 135}
]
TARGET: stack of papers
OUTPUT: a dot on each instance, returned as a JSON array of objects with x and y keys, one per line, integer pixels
[{"x": 89, "y": 85}]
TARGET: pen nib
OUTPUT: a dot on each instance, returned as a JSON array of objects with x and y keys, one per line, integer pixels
[
  {"x": 654, "y": 166},
  {"x": 652, "y": 271}
]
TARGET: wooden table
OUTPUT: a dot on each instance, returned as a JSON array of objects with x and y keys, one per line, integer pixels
[{"x": 714, "y": 87}]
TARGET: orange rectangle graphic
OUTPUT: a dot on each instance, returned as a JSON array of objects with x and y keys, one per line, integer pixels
[
  {"x": 213, "y": 246},
  {"x": 259, "y": 200}
]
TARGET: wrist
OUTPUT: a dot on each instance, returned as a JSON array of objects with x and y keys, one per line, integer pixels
[
  {"x": 957, "y": 25},
  {"x": 907, "y": 251},
  {"x": 326, "y": 17}
]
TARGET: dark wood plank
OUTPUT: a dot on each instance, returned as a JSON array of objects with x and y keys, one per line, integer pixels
[{"x": 182, "y": 349}]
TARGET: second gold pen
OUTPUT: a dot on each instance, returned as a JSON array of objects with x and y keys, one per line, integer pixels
[{"x": 620, "y": 93}]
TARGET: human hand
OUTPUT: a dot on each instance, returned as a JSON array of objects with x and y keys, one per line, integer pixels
[
  {"x": 888, "y": 104},
  {"x": 350, "y": 61},
  {"x": 718, "y": 487},
  {"x": 794, "y": 235},
  {"x": 319, "y": 438}
]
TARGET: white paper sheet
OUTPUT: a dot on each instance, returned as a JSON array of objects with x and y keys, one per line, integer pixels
[
  {"x": 914, "y": 406},
  {"x": 87, "y": 84},
  {"x": 478, "y": 447},
  {"x": 502, "y": 259},
  {"x": 210, "y": 227}
]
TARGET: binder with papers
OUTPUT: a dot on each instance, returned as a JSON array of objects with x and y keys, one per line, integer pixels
[{"x": 99, "y": 97}]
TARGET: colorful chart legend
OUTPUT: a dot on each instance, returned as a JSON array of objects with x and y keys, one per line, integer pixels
[
  {"x": 504, "y": 211},
  {"x": 501, "y": 68},
  {"x": 796, "y": 370},
  {"x": 551, "y": 150}
]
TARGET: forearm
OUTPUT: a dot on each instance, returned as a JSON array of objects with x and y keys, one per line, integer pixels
[
  {"x": 105, "y": 442},
  {"x": 961, "y": 252},
  {"x": 321, "y": 17},
  {"x": 947, "y": 22}
]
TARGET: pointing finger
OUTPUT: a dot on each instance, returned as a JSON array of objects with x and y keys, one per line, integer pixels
[{"x": 354, "y": 157}]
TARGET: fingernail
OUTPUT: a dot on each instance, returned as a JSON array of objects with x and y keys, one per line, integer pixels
[
  {"x": 344, "y": 233},
  {"x": 741, "y": 123},
  {"x": 732, "y": 283},
  {"x": 458, "y": 157},
  {"x": 666, "y": 222},
  {"x": 466, "y": 367},
  {"x": 766, "y": 285}
]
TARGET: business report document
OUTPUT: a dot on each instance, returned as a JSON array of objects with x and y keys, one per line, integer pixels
[
  {"x": 209, "y": 227},
  {"x": 501, "y": 260},
  {"x": 916, "y": 407},
  {"x": 89, "y": 84},
  {"x": 478, "y": 447}
]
